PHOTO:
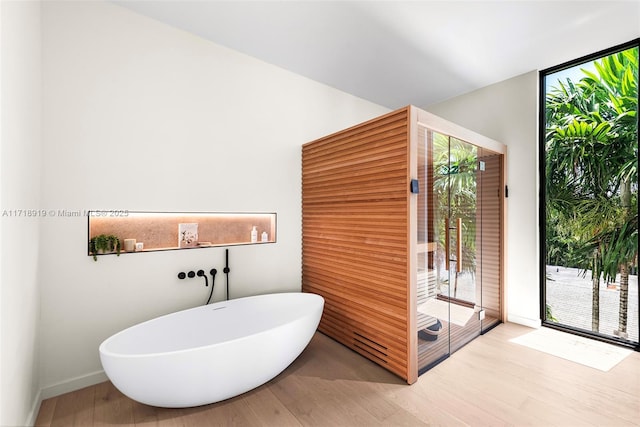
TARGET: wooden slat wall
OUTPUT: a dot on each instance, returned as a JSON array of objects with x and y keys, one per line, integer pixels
[
  {"x": 355, "y": 234},
  {"x": 490, "y": 193}
]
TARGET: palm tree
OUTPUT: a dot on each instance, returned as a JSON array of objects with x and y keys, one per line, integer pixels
[
  {"x": 455, "y": 166},
  {"x": 591, "y": 163}
]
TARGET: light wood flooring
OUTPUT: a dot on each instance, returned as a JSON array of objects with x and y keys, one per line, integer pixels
[{"x": 490, "y": 381}]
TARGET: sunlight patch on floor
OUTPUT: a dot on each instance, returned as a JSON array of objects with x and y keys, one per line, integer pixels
[{"x": 588, "y": 352}]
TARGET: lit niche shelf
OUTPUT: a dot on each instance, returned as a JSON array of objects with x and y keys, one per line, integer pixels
[{"x": 163, "y": 231}]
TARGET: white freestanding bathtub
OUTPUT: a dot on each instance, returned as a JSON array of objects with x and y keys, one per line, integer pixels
[{"x": 213, "y": 352}]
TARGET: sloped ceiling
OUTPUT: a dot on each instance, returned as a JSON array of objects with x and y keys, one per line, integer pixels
[{"x": 396, "y": 53}]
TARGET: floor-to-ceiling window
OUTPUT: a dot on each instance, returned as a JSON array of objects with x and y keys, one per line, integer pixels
[{"x": 589, "y": 186}]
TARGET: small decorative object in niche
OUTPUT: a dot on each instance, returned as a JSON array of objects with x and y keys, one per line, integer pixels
[
  {"x": 104, "y": 244},
  {"x": 187, "y": 235},
  {"x": 129, "y": 245},
  {"x": 161, "y": 231}
]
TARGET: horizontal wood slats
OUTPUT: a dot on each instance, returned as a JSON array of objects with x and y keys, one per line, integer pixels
[
  {"x": 369, "y": 245},
  {"x": 491, "y": 199},
  {"x": 355, "y": 221}
]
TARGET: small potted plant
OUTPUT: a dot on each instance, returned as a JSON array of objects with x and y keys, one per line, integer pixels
[{"x": 104, "y": 244}]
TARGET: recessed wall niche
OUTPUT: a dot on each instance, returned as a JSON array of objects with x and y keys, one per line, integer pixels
[{"x": 161, "y": 231}]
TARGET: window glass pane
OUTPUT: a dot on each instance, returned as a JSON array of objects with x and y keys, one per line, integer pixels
[{"x": 591, "y": 196}]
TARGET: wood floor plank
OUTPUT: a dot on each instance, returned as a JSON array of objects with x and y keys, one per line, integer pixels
[
  {"x": 150, "y": 416},
  {"x": 75, "y": 409},
  {"x": 231, "y": 412},
  {"x": 554, "y": 383},
  {"x": 422, "y": 408},
  {"x": 512, "y": 394},
  {"x": 45, "y": 414},
  {"x": 111, "y": 406},
  {"x": 576, "y": 387},
  {"x": 301, "y": 398},
  {"x": 263, "y": 408},
  {"x": 362, "y": 393},
  {"x": 490, "y": 381}
]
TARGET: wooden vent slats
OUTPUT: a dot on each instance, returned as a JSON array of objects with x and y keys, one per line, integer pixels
[
  {"x": 342, "y": 328},
  {"x": 347, "y": 322}
]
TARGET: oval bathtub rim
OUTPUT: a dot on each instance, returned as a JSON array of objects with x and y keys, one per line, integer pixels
[{"x": 102, "y": 350}]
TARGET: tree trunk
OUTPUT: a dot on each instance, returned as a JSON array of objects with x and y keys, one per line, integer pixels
[
  {"x": 595, "y": 305},
  {"x": 624, "y": 300},
  {"x": 625, "y": 198},
  {"x": 595, "y": 295}
]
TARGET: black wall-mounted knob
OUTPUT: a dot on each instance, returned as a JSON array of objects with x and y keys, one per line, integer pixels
[
  {"x": 181, "y": 275},
  {"x": 200, "y": 273},
  {"x": 191, "y": 275}
]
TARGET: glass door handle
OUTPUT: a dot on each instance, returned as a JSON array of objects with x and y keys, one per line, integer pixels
[
  {"x": 459, "y": 245},
  {"x": 447, "y": 237}
]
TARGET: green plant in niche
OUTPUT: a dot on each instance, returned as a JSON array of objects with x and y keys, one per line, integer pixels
[{"x": 104, "y": 243}]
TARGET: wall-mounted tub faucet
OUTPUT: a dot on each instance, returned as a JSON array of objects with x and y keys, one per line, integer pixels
[
  {"x": 201, "y": 273},
  {"x": 213, "y": 273}
]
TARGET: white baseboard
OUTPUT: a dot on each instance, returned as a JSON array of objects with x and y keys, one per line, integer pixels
[
  {"x": 35, "y": 409},
  {"x": 61, "y": 388},
  {"x": 525, "y": 321},
  {"x": 73, "y": 384}
]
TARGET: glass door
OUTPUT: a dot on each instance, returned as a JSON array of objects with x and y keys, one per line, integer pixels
[
  {"x": 460, "y": 223},
  {"x": 433, "y": 244},
  {"x": 455, "y": 193}
]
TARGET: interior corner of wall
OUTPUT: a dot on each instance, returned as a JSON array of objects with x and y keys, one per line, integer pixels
[
  {"x": 35, "y": 409},
  {"x": 525, "y": 321}
]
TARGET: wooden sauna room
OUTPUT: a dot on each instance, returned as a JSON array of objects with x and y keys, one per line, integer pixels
[{"x": 403, "y": 221}]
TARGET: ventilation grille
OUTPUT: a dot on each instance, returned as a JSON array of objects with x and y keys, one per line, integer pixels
[{"x": 372, "y": 349}]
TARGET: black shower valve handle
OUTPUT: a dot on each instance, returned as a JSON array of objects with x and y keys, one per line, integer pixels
[
  {"x": 199, "y": 273},
  {"x": 190, "y": 274}
]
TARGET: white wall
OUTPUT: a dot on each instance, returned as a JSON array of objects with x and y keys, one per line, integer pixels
[
  {"x": 20, "y": 154},
  {"x": 507, "y": 112},
  {"x": 142, "y": 116}
]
